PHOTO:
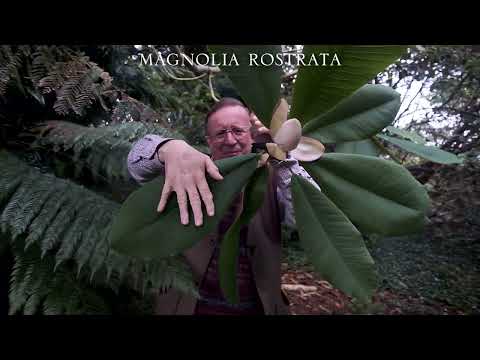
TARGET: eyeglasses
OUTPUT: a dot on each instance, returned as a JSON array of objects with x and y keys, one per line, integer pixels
[{"x": 238, "y": 132}]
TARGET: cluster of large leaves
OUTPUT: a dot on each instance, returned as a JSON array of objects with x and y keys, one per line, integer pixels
[
  {"x": 360, "y": 193},
  {"x": 138, "y": 228},
  {"x": 407, "y": 141}
]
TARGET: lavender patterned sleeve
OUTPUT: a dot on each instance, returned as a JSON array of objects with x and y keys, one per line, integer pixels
[
  {"x": 142, "y": 162},
  {"x": 285, "y": 170}
]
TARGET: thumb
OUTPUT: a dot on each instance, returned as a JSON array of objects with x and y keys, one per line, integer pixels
[{"x": 212, "y": 170}]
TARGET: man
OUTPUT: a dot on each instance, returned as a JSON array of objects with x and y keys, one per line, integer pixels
[{"x": 231, "y": 130}]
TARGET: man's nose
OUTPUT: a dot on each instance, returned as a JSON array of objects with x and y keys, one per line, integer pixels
[{"x": 230, "y": 138}]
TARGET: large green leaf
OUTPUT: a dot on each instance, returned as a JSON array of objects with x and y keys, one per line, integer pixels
[
  {"x": 377, "y": 195},
  {"x": 431, "y": 153},
  {"x": 228, "y": 260},
  {"x": 259, "y": 85},
  {"x": 363, "y": 114},
  {"x": 410, "y": 135},
  {"x": 139, "y": 230},
  {"x": 363, "y": 147},
  {"x": 333, "y": 244},
  {"x": 318, "y": 89}
]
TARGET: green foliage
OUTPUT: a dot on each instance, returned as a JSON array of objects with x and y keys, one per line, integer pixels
[
  {"x": 59, "y": 229},
  {"x": 409, "y": 135},
  {"x": 102, "y": 151},
  {"x": 181, "y": 104},
  {"x": 327, "y": 102},
  {"x": 70, "y": 223},
  {"x": 332, "y": 243},
  {"x": 65, "y": 221},
  {"x": 362, "y": 147},
  {"x": 259, "y": 86},
  {"x": 77, "y": 84},
  {"x": 10, "y": 61},
  {"x": 47, "y": 209},
  {"x": 450, "y": 77},
  {"x": 76, "y": 81},
  {"x": 318, "y": 89},
  {"x": 138, "y": 226},
  {"x": 37, "y": 288},
  {"x": 361, "y": 115},
  {"x": 254, "y": 195},
  {"x": 377, "y": 195},
  {"x": 431, "y": 153}
]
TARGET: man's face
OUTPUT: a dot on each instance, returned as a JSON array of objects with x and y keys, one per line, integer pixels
[{"x": 228, "y": 132}]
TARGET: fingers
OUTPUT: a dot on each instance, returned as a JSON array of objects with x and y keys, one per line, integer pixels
[
  {"x": 213, "y": 170},
  {"x": 195, "y": 203},
  {"x": 182, "y": 204},
  {"x": 181, "y": 199},
  {"x": 258, "y": 127},
  {"x": 206, "y": 195},
  {"x": 167, "y": 190},
  {"x": 263, "y": 130},
  {"x": 192, "y": 189},
  {"x": 253, "y": 119}
]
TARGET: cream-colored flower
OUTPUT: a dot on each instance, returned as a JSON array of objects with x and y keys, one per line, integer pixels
[{"x": 287, "y": 138}]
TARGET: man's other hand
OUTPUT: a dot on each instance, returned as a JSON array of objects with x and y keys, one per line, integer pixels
[{"x": 260, "y": 133}]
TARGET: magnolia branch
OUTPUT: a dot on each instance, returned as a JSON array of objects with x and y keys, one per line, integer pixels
[
  {"x": 170, "y": 75},
  {"x": 210, "y": 85},
  {"x": 385, "y": 150}
]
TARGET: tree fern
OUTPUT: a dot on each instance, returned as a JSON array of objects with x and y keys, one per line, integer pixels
[
  {"x": 76, "y": 81},
  {"x": 102, "y": 150},
  {"x": 71, "y": 223},
  {"x": 37, "y": 288},
  {"x": 11, "y": 60},
  {"x": 34, "y": 63},
  {"x": 77, "y": 84},
  {"x": 45, "y": 57}
]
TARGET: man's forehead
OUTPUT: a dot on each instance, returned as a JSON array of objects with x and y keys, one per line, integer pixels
[{"x": 230, "y": 116}]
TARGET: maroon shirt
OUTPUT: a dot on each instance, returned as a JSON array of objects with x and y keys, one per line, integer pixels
[{"x": 212, "y": 300}]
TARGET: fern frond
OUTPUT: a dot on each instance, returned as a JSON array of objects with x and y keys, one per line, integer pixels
[
  {"x": 47, "y": 214},
  {"x": 38, "y": 194},
  {"x": 45, "y": 58},
  {"x": 10, "y": 62},
  {"x": 12, "y": 211},
  {"x": 92, "y": 233},
  {"x": 65, "y": 217},
  {"x": 103, "y": 150},
  {"x": 36, "y": 287},
  {"x": 129, "y": 109},
  {"x": 19, "y": 280},
  {"x": 75, "y": 232},
  {"x": 70, "y": 223},
  {"x": 99, "y": 256},
  {"x": 78, "y": 83}
]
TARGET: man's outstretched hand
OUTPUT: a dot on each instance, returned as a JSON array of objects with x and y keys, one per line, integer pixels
[{"x": 185, "y": 175}]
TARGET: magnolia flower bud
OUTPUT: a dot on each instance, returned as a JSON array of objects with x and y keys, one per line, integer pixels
[
  {"x": 309, "y": 149},
  {"x": 275, "y": 151},
  {"x": 289, "y": 134}
]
